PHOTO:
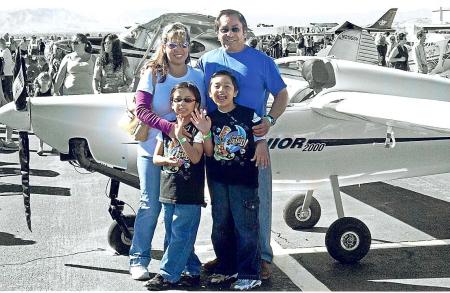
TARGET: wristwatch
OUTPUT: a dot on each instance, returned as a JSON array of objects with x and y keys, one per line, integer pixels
[{"x": 271, "y": 120}]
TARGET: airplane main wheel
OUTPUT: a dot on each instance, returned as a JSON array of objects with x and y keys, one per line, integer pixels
[
  {"x": 295, "y": 218},
  {"x": 117, "y": 239},
  {"x": 348, "y": 240}
]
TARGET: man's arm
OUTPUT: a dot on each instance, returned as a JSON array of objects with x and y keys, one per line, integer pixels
[{"x": 278, "y": 107}]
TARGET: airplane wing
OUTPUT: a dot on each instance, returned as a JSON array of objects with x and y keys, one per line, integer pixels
[{"x": 410, "y": 113}]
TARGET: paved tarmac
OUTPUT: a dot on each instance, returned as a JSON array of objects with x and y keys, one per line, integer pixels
[{"x": 409, "y": 221}]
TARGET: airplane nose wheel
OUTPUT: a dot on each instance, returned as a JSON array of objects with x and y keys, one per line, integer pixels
[
  {"x": 348, "y": 240},
  {"x": 117, "y": 239},
  {"x": 298, "y": 219}
]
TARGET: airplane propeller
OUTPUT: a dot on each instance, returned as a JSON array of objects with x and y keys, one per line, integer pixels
[{"x": 20, "y": 99}]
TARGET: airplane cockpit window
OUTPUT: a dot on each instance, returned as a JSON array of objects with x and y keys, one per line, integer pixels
[
  {"x": 137, "y": 36},
  {"x": 196, "y": 47}
]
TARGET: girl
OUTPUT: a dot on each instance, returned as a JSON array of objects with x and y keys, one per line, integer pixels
[
  {"x": 182, "y": 192},
  {"x": 42, "y": 88}
]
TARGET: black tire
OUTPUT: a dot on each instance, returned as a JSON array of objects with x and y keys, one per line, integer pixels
[
  {"x": 292, "y": 213},
  {"x": 348, "y": 240},
  {"x": 117, "y": 239}
]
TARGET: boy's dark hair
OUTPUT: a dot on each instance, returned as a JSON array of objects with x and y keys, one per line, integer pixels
[
  {"x": 229, "y": 12},
  {"x": 190, "y": 86},
  {"x": 226, "y": 73}
]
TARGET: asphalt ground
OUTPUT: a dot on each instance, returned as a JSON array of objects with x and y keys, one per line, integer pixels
[{"x": 68, "y": 250}]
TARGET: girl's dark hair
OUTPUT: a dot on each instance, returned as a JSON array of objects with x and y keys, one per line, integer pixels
[
  {"x": 190, "y": 86},
  {"x": 226, "y": 73},
  {"x": 116, "y": 52}
]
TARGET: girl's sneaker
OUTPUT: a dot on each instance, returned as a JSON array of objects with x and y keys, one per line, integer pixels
[{"x": 245, "y": 284}]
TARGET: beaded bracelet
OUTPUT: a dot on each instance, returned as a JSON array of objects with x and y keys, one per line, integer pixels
[{"x": 182, "y": 140}]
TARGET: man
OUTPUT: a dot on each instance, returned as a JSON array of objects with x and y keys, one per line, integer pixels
[
  {"x": 284, "y": 45},
  {"x": 257, "y": 76},
  {"x": 301, "y": 45},
  {"x": 420, "y": 56},
  {"x": 7, "y": 83}
]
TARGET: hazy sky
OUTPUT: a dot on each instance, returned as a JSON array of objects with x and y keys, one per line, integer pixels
[{"x": 266, "y": 11}]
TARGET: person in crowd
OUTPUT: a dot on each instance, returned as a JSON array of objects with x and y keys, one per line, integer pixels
[
  {"x": 76, "y": 70},
  {"x": 112, "y": 72},
  {"x": 23, "y": 46},
  {"x": 168, "y": 68},
  {"x": 254, "y": 89},
  {"x": 41, "y": 47},
  {"x": 182, "y": 192},
  {"x": 42, "y": 88},
  {"x": 56, "y": 56},
  {"x": 419, "y": 53},
  {"x": 42, "y": 64},
  {"x": 32, "y": 72},
  {"x": 309, "y": 46},
  {"x": 7, "y": 86},
  {"x": 392, "y": 44},
  {"x": 399, "y": 55},
  {"x": 301, "y": 45},
  {"x": 382, "y": 49},
  {"x": 284, "y": 45},
  {"x": 233, "y": 156},
  {"x": 33, "y": 46},
  {"x": 13, "y": 46}
]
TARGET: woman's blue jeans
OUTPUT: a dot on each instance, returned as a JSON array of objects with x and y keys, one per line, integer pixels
[{"x": 148, "y": 212}]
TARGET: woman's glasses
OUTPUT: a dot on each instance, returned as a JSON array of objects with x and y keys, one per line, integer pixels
[
  {"x": 186, "y": 100},
  {"x": 173, "y": 45}
]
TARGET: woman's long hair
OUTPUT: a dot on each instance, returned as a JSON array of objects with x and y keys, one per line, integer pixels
[
  {"x": 159, "y": 64},
  {"x": 116, "y": 52},
  {"x": 87, "y": 45}
]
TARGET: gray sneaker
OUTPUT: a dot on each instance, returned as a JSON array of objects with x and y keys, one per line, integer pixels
[{"x": 245, "y": 284}]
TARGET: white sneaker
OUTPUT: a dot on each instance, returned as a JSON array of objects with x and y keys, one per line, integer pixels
[
  {"x": 139, "y": 273},
  {"x": 245, "y": 284}
]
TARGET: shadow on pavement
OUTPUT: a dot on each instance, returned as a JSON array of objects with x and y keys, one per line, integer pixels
[
  {"x": 7, "y": 239},
  {"x": 420, "y": 211},
  {"x": 393, "y": 269},
  {"x": 15, "y": 189},
  {"x": 33, "y": 172}
]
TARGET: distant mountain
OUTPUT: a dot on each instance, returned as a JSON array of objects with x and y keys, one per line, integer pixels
[{"x": 47, "y": 21}]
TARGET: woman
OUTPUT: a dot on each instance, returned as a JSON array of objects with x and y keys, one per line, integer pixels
[
  {"x": 112, "y": 72},
  {"x": 76, "y": 71},
  {"x": 168, "y": 68},
  {"x": 399, "y": 55}
]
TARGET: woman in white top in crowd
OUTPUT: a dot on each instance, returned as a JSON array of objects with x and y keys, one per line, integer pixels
[{"x": 76, "y": 71}]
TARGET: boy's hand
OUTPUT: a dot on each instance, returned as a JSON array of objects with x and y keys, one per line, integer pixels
[
  {"x": 261, "y": 154},
  {"x": 201, "y": 121}
]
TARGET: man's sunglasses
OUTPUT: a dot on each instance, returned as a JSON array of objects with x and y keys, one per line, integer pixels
[
  {"x": 173, "y": 45},
  {"x": 186, "y": 100}
]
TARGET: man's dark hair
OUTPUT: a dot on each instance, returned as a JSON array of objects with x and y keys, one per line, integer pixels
[{"x": 229, "y": 12}]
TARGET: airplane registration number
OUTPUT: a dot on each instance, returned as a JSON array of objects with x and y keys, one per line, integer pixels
[{"x": 295, "y": 143}]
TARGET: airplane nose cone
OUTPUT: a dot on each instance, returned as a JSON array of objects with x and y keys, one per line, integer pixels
[{"x": 19, "y": 120}]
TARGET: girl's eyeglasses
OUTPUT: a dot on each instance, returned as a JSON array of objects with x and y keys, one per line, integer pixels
[
  {"x": 186, "y": 100},
  {"x": 173, "y": 45}
]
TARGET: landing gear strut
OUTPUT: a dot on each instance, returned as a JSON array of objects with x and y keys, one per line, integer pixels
[{"x": 120, "y": 232}]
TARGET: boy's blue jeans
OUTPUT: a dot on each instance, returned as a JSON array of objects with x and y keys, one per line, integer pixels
[
  {"x": 235, "y": 232},
  {"x": 148, "y": 212},
  {"x": 181, "y": 223}
]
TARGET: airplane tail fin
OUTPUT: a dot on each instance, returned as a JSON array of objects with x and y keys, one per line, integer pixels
[{"x": 385, "y": 22}]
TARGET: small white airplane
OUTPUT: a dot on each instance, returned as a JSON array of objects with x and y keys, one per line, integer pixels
[{"x": 346, "y": 123}]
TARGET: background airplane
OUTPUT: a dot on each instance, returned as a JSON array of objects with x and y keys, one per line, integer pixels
[
  {"x": 383, "y": 24},
  {"x": 347, "y": 123}
]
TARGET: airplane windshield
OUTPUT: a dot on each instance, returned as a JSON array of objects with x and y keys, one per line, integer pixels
[{"x": 137, "y": 36}]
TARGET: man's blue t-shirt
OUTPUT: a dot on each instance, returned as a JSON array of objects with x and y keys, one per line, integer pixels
[{"x": 256, "y": 74}]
